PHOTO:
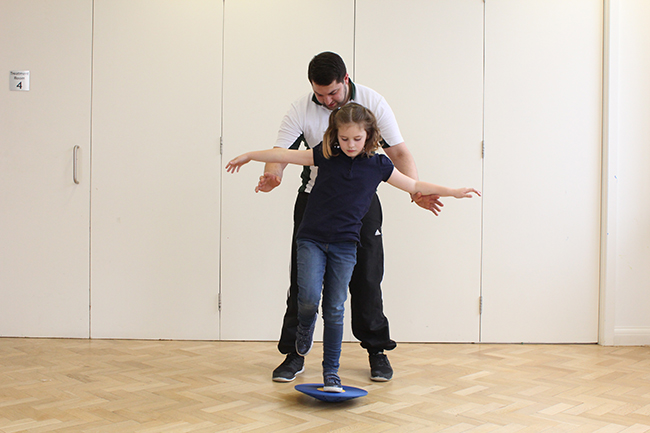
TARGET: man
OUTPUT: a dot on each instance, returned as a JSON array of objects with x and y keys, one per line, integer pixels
[{"x": 306, "y": 122}]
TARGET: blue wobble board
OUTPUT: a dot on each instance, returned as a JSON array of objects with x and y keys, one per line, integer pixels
[{"x": 316, "y": 390}]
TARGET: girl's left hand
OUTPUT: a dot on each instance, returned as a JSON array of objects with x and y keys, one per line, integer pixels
[{"x": 466, "y": 192}]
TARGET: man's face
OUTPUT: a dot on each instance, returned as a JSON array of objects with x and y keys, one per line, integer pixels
[{"x": 333, "y": 96}]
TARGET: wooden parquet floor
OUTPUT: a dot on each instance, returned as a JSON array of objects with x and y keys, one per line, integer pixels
[{"x": 52, "y": 385}]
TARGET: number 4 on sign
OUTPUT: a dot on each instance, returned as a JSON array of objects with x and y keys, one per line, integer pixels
[{"x": 20, "y": 85}]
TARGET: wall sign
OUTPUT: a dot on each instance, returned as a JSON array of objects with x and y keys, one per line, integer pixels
[{"x": 19, "y": 81}]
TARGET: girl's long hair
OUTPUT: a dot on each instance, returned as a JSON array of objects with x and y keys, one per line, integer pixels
[{"x": 351, "y": 113}]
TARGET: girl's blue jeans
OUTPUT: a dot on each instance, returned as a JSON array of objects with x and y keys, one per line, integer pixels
[{"x": 326, "y": 268}]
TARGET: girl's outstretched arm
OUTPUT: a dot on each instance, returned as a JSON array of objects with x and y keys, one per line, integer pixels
[
  {"x": 277, "y": 154},
  {"x": 405, "y": 183}
]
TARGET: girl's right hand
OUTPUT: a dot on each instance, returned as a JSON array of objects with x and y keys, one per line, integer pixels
[{"x": 235, "y": 163}]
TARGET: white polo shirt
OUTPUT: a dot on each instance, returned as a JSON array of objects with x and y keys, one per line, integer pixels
[{"x": 307, "y": 120}]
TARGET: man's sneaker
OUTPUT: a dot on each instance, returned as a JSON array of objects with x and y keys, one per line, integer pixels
[
  {"x": 292, "y": 365},
  {"x": 332, "y": 383},
  {"x": 380, "y": 369},
  {"x": 305, "y": 338}
]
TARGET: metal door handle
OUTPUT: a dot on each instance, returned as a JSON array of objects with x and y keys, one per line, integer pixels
[{"x": 75, "y": 154}]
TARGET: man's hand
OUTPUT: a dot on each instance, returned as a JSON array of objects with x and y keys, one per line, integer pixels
[
  {"x": 268, "y": 182},
  {"x": 428, "y": 202}
]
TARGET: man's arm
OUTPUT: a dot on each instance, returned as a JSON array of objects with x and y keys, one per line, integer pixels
[
  {"x": 403, "y": 159},
  {"x": 289, "y": 136},
  {"x": 405, "y": 163}
]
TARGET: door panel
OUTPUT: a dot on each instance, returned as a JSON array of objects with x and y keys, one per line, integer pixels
[
  {"x": 43, "y": 212},
  {"x": 268, "y": 46},
  {"x": 425, "y": 57},
  {"x": 542, "y": 171},
  {"x": 156, "y": 169}
]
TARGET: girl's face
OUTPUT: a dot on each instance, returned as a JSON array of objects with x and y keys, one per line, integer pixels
[{"x": 352, "y": 139}]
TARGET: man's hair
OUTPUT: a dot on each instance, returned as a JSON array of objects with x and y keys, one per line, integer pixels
[{"x": 325, "y": 68}]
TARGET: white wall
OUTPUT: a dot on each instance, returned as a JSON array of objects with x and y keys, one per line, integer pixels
[{"x": 625, "y": 277}]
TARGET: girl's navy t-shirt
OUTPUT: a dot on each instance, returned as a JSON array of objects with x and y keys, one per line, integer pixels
[{"x": 341, "y": 195}]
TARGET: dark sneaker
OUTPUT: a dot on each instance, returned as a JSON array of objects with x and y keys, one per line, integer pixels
[
  {"x": 380, "y": 369},
  {"x": 305, "y": 338},
  {"x": 332, "y": 383},
  {"x": 292, "y": 365}
]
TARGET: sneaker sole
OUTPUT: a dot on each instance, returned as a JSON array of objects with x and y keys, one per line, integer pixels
[
  {"x": 380, "y": 378},
  {"x": 285, "y": 379},
  {"x": 332, "y": 389}
]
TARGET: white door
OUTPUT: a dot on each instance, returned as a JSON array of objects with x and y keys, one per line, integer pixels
[
  {"x": 267, "y": 48},
  {"x": 43, "y": 211},
  {"x": 156, "y": 168},
  {"x": 425, "y": 57},
  {"x": 542, "y": 171}
]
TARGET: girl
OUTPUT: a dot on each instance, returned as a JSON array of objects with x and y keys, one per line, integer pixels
[{"x": 349, "y": 172}]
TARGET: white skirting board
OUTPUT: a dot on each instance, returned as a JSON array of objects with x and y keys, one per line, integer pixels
[{"x": 632, "y": 336}]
